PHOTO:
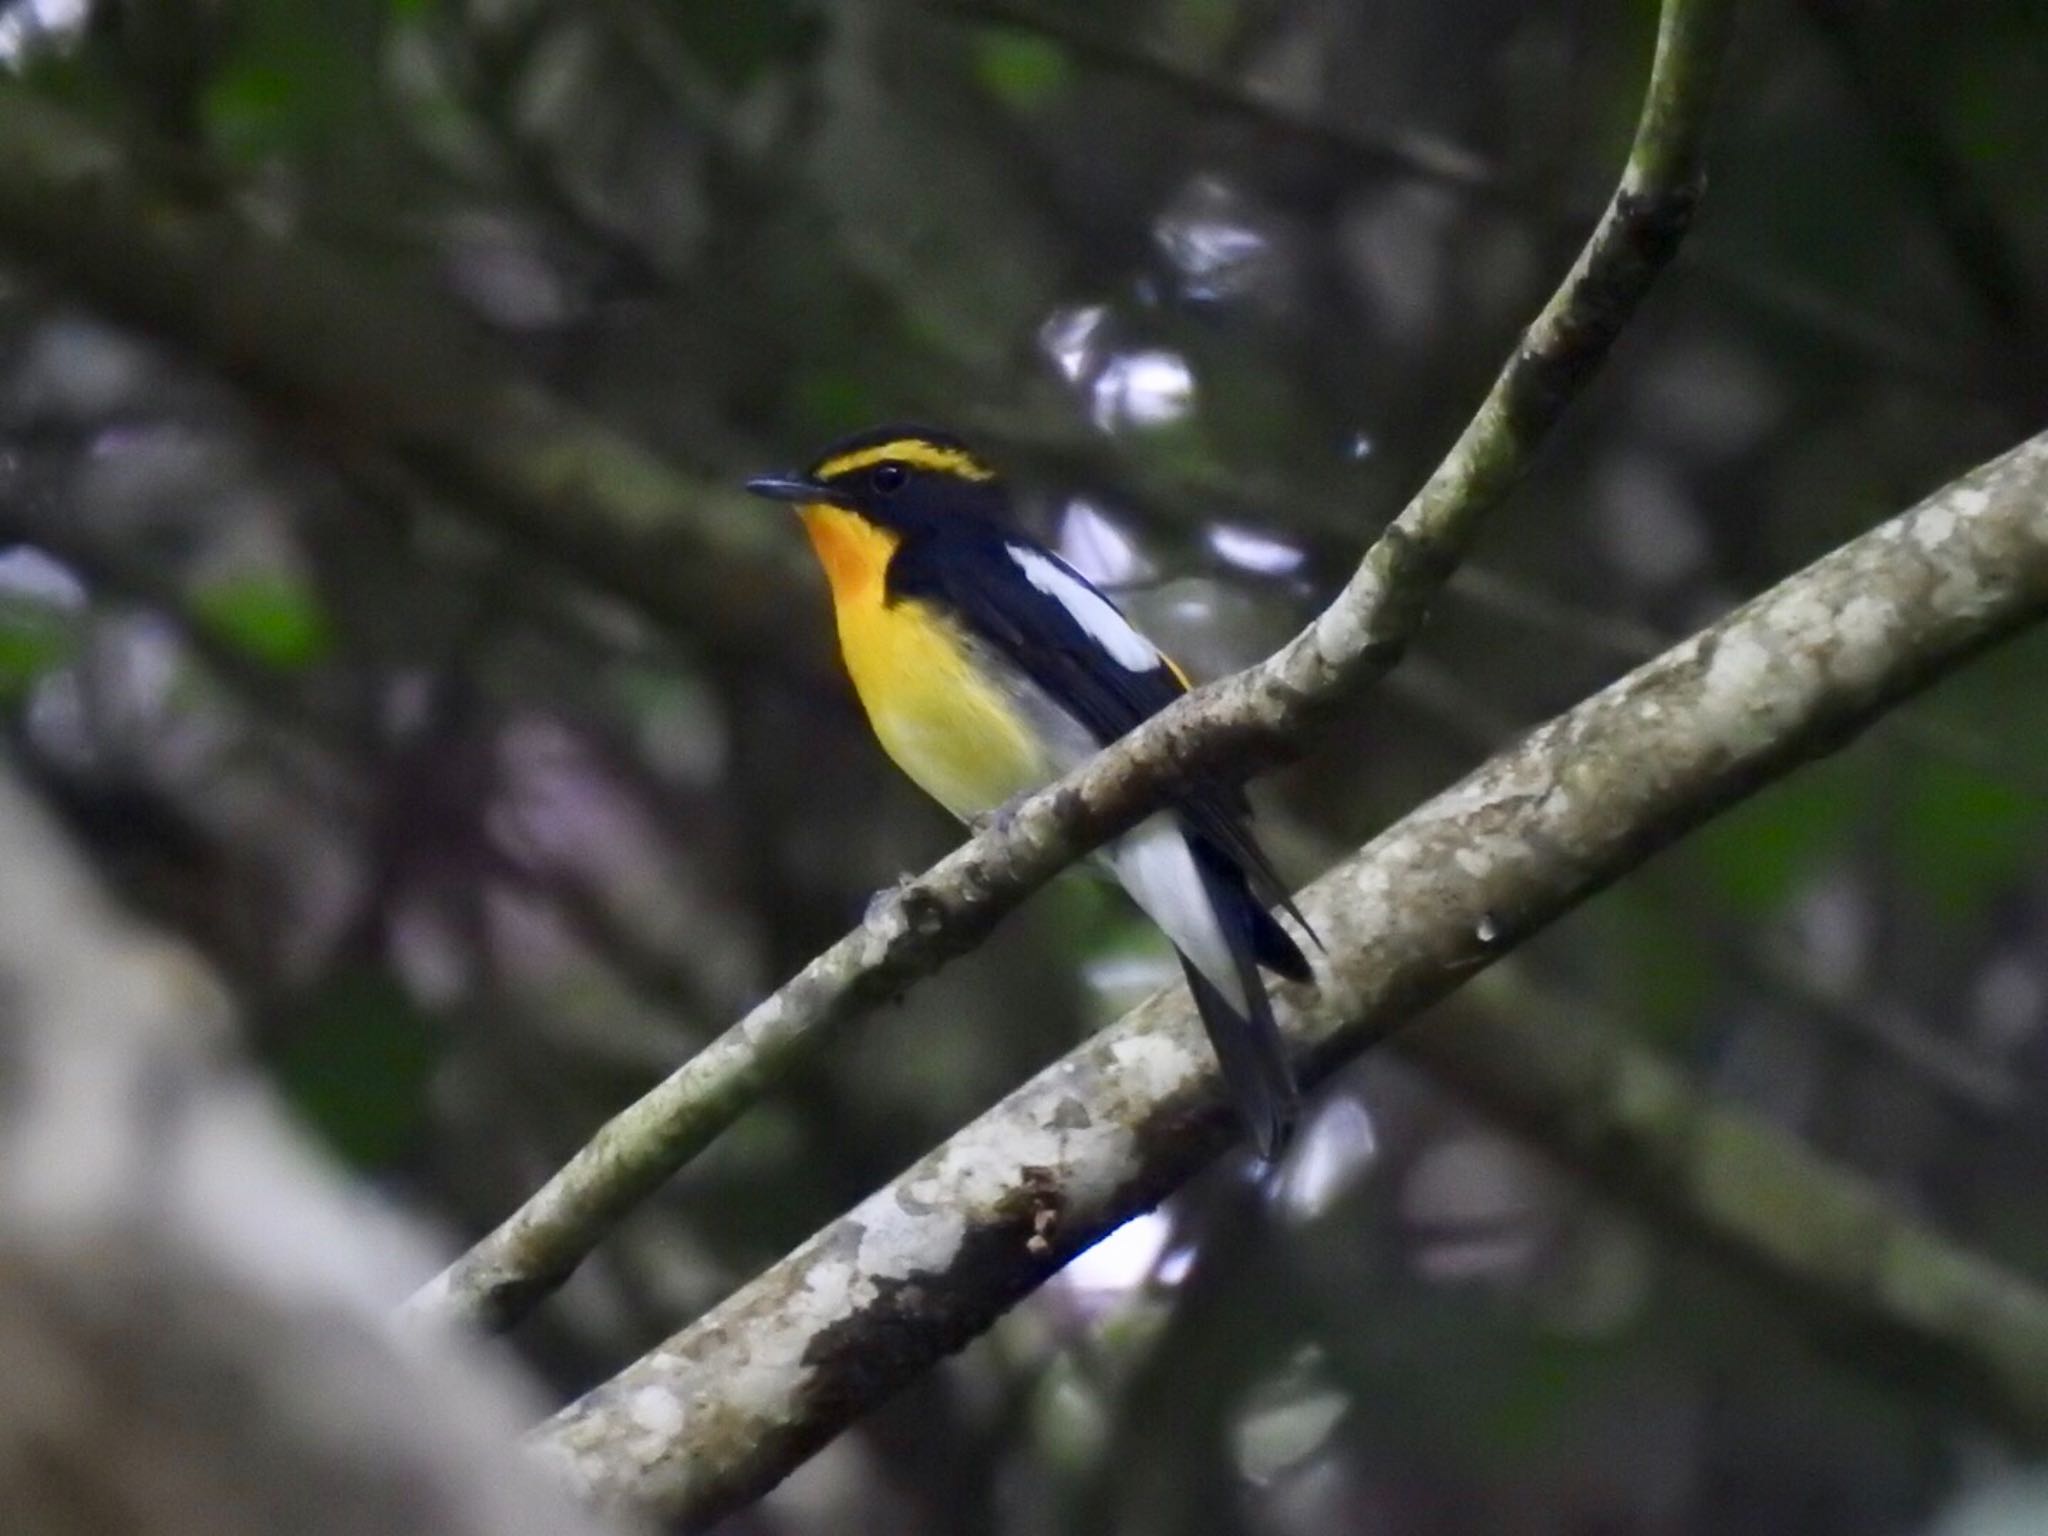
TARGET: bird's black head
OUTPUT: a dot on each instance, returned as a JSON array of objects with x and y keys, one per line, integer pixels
[{"x": 904, "y": 477}]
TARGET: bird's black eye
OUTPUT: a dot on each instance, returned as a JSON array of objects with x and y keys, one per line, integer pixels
[{"x": 888, "y": 479}]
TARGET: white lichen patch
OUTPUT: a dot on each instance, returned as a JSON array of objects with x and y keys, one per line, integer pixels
[
  {"x": 830, "y": 1288},
  {"x": 1154, "y": 1064},
  {"x": 1738, "y": 681},
  {"x": 656, "y": 1411},
  {"x": 1474, "y": 863},
  {"x": 1368, "y": 882},
  {"x": 903, "y": 1230},
  {"x": 1967, "y": 501},
  {"x": 1862, "y": 629},
  {"x": 979, "y": 1167},
  {"x": 1931, "y": 527},
  {"x": 1739, "y": 668}
]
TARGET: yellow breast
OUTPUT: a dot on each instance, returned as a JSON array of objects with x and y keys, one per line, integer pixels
[{"x": 946, "y": 722}]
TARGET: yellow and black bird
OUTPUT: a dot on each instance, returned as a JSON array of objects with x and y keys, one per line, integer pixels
[{"x": 989, "y": 667}]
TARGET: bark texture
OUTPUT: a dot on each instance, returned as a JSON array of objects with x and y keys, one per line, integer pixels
[
  {"x": 1261, "y": 715},
  {"x": 729, "y": 1405}
]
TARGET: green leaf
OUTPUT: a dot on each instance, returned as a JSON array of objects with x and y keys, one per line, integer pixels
[
  {"x": 273, "y": 618},
  {"x": 356, "y": 1062},
  {"x": 34, "y": 639},
  {"x": 1758, "y": 853},
  {"x": 735, "y": 42},
  {"x": 302, "y": 76},
  {"x": 1658, "y": 974},
  {"x": 829, "y": 400},
  {"x": 1964, "y": 838},
  {"x": 1024, "y": 73},
  {"x": 1541, "y": 1388},
  {"x": 252, "y": 112},
  {"x": 1201, "y": 29}
]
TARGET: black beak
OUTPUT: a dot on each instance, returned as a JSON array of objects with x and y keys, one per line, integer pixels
[{"x": 791, "y": 488}]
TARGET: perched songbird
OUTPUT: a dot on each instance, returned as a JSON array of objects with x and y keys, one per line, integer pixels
[{"x": 988, "y": 667}]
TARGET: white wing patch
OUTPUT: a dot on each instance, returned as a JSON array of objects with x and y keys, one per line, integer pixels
[
  {"x": 1154, "y": 863},
  {"x": 1087, "y": 608}
]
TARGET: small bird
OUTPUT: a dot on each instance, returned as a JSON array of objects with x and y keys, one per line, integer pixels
[{"x": 989, "y": 667}]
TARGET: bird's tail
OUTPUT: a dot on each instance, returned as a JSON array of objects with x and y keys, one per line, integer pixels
[
  {"x": 1253, "y": 1059},
  {"x": 1247, "y": 1042},
  {"x": 1201, "y": 898}
]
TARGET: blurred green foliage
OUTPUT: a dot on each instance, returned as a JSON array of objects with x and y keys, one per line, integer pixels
[
  {"x": 1190, "y": 269},
  {"x": 35, "y": 639},
  {"x": 270, "y": 618},
  {"x": 356, "y": 1060}
]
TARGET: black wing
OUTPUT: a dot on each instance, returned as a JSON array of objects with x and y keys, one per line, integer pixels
[{"x": 975, "y": 579}]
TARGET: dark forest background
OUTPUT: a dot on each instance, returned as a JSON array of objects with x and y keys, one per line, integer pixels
[{"x": 487, "y": 839}]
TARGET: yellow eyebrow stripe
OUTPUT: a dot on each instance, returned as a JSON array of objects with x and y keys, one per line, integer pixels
[{"x": 908, "y": 450}]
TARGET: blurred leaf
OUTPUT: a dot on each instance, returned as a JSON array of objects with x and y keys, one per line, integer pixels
[
  {"x": 356, "y": 1062},
  {"x": 1656, "y": 973},
  {"x": 252, "y": 112},
  {"x": 1991, "y": 99},
  {"x": 1274, "y": 1436},
  {"x": 1964, "y": 838},
  {"x": 1757, "y": 853},
  {"x": 827, "y": 401},
  {"x": 34, "y": 638},
  {"x": 1069, "y": 1420},
  {"x": 1202, "y": 29},
  {"x": 300, "y": 76},
  {"x": 736, "y": 41},
  {"x": 270, "y": 617},
  {"x": 1451, "y": 1365},
  {"x": 2006, "y": 1503},
  {"x": 1024, "y": 73},
  {"x": 923, "y": 205},
  {"x": 1541, "y": 1386}
]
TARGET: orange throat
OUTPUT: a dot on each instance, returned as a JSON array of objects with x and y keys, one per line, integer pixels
[{"x": 854, "y": 552}]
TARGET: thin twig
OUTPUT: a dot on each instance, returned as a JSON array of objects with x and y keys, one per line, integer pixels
[
  {"x": 1784, "y": 296},
  {"x": 1382, "y": 149},
  {"x": 731, "y": 1404},
  {"x": 1261, "y": 715},
  {"x": 1982, "y": 251}
]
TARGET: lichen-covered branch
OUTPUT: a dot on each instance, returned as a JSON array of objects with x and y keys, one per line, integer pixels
[
  {"x": 732, "y": 1403},
  {"x": 1261, "y": 715},
  {"x": 368, "y": 368}
]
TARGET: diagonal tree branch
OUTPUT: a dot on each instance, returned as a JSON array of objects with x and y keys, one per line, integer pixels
[
  {"x": 1787, "y": 298},
  {"x": 732, "y": 1403},
  {"x": 1377, "y": 149},
  {"x": 1261, "y": 715}
]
